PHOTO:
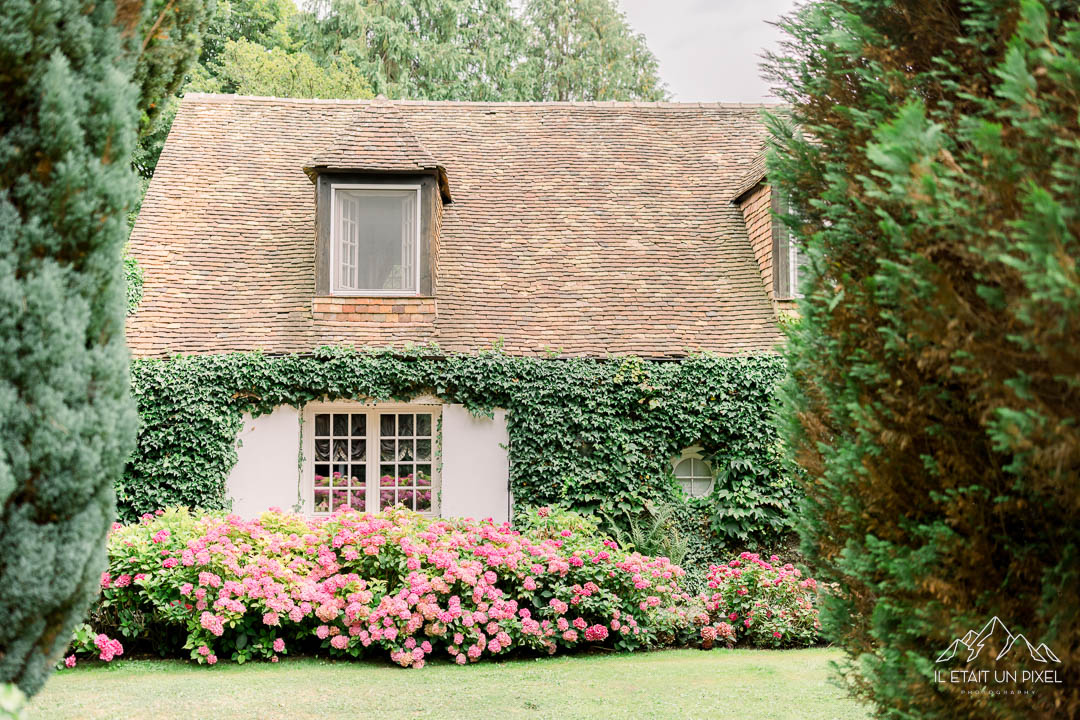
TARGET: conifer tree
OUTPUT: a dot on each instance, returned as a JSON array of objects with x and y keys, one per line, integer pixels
[
  {"x": 932, "y": 164},
  {"x": 75, "y": 78}
]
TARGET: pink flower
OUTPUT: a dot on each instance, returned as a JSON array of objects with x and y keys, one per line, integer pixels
[
  {"x": 322, "y": 632},
  {"x": 211, "y": 659},
  {"x": 203, "y": 650},
  {"x": 214, "y": 623},
  {"x": 340, "y": 641},
  {"x": 109, "y": 648},
  {"x": 69, "y": 661},
  {"x": 170, "y": 562},
  {"x": 776, "y": 634},
  {"x": 596, "y": 633},
  {"x": 279, "y": 645},
  {"x": 186, "y": 588}
]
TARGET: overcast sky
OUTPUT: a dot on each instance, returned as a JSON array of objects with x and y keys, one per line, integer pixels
[{"x": 709, "y": 49}]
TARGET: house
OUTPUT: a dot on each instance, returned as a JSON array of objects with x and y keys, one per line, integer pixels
[{"x": 562, "y": 229}]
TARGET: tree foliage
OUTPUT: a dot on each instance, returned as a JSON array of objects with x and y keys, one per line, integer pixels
[
  {"x": 933, "y": 165},
  {"x": 585, "y": 50},
  {"x": 486, "y": 49},
  {"x": 245, "y": 68},
  {"x": 444, "y": 50},
  {"x": 70, "y": 100},
  {"x": 263, "y": 22}
]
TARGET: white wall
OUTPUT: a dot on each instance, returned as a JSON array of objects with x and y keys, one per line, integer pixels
[
  {"x": 265, "y": 474},
  {"x": 475, "y": 465},
  {"x": 475, "y": 479}
]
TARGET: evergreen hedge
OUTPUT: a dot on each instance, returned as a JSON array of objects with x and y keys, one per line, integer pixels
[
  {"x": 933, "y": 164},
  {"x": 593, "y": 435}
]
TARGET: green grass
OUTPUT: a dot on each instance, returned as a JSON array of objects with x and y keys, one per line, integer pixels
[{"x": 759, "y": 684}]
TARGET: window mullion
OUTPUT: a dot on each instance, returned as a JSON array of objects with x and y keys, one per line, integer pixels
[{"x": 372, "y": 467}]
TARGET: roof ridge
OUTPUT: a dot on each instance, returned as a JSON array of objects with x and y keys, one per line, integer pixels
[{"x": 661, "y": 104}]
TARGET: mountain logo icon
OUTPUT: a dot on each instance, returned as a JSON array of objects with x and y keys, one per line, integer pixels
[{"x": 995, "y": 635}]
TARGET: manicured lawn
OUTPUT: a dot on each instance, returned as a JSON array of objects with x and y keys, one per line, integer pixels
[{"x": 674, "y": 684}]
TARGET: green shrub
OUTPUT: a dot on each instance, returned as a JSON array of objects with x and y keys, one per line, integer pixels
[
  {"x": 768, "y": 603},
  {"x": 394, "y": 584},
  {"x": 936, "y": 396}
]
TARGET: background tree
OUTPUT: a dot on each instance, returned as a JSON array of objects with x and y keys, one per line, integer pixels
[
  {"x": 245, "y": 68},
  {"x": 936, "y": 395},
  {"x": 444, "y": 50},
  {"x": 71, "y": 72},
  {"x": 263, "y": 22},
  {"x": 486, "y": 49},
  {"x": 585, "y": 50}
]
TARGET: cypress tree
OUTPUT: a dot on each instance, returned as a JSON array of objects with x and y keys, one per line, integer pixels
[
  {"x": 932, "y": 162},
  {"x": 71, "y": 72}
]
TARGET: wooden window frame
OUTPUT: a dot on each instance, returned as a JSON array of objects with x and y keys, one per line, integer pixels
[
  {"x": 785, "y": 253},
  {"x": 418, "y": 238},
  {"x": 372, "y": 410}
]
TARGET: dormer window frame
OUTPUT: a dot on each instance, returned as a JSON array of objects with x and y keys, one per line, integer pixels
[
  {"x": 788, "y": 258},
  {"x": 418, "y": 239}
]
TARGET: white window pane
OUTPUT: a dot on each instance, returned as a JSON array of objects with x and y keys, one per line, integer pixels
[
  {"x": 340, "y": 462},
  {"x": 376, "y": 240},
  {"x": 695, "y": 476}
]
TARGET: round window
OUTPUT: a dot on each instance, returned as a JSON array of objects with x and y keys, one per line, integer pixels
[{"x": 695, "y": 476}]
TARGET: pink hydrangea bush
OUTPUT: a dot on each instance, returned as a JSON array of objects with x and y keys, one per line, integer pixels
[
  {"x": 394, "y": 584},
  {"x": 88, "y": 643},
  {"x": 761, "y": 603}
]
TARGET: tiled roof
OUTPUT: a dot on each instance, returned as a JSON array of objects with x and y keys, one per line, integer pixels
[
  {"x": 755, "y": 173},
  {"x": 378, "y": 140},
  {"x": 585, "y": 229}
]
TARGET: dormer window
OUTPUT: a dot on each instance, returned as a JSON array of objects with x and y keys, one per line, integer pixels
[
  {"x": 379, "y": 197},
  {"x": 788, "y": 259},
  {"x": 376, "y": 241}
]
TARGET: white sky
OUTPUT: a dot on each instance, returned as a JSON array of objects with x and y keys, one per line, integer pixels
[{"x": 709, "y": 50}]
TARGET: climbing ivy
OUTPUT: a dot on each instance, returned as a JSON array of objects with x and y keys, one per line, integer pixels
[{"x": 592, "y": 434}]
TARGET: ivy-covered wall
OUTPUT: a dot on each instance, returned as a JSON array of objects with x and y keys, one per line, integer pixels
[{"x": 591, "y": 434}]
